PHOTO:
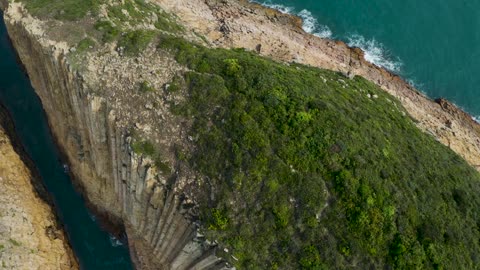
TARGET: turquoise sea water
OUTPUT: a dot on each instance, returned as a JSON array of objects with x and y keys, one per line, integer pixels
[
  {"x": 433, "y": 44},
  {"x": 94, "y": 248}
]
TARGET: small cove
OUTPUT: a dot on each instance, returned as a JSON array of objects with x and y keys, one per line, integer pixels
[{"x": 94, "y": 247}]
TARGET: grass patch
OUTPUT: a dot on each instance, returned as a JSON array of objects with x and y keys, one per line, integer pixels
[
  {"x": 70, "y": 10},
  {"x": 135, "y": 12},
  {"x": 146, "y": 148},
  {"x": 134, "y": 42},
  {"x": 146, "y": 87},
  {"x": 166, "y": 22},
  {"x": 281, "y": 141},
  {"x": 85, "y": 44},
  {"x": 14, "y": 242},
  {"x": 108, "y": 30}
]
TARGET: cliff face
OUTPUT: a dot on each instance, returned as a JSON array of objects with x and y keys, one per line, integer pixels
[
  {"x": 29, "y": 235},
  {"x": 98, "y": 110},
  {"x": 116, "y": 181}
]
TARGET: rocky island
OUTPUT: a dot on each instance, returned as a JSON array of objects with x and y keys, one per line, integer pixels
[{"x": 220, "y": 135}]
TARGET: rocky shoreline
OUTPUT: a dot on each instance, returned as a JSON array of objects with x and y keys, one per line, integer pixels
[
  {"x": 31, "y": 237},
  {"x": 242, "y": 24}
]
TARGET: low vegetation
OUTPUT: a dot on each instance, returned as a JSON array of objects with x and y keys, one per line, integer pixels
[
  {"x": 146, "y": 148},
  {"x": 85, "y": 44},
  {"x": 316, "y": 171},
  {"x": 120, "y": 25},
  {"x": 134, "y": 42},
  {"x": 63, "y": 9},
  {"x": 146, "y": 87}
]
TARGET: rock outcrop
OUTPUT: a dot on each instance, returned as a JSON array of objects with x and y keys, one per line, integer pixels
[
  {"x": 92, "y": 119},
  {"x": 29, "y": 235}
]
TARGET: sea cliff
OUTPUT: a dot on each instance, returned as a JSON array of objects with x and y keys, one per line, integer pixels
[
  {"x": 118, "y": 183},
  {"x": 112, "y": 99}
]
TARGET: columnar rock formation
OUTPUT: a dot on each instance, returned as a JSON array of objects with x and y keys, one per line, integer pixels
[
  {"x": 97, "y": 142},
  {"x": 29, "y": 235}
]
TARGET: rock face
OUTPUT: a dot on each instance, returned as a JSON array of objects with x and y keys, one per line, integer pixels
[
  {"x": 91, "y": 119},
  {"x": 95, "y": 113},
  {"x": 29, "y": 235}
]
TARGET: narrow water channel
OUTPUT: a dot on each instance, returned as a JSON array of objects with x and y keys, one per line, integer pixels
[{"x": 94, "y": 248}]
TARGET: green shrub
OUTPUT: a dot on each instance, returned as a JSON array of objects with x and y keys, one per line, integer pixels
[
  {"x": 144, "y": 147},
  {"x": 148, "y": 149},
  {"x": 232, "y": 67},
  {"x": 109, "y": 31},
  {"x": 313, "y": 174},
  {"x": 14, "y": 242},
  {"x": 85, "y": 44},
  {"x": 146, "y": 87},
  {"x": 134, "y": 42},
  {"x": 218, "y": 220},
  {"x": 310, "y": 259},
  {"x": 166, "y": 23}
]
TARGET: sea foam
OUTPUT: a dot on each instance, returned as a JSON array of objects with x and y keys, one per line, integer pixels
[
  {"x": 476, "y": 119},
  {"x": 114, "y": 241},
  {"x": 310, "y": 23},
  {"x": 375, "y": 52}
]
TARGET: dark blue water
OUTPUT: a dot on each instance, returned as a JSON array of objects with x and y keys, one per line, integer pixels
[
  {"x": 434, "y": 44},
  {"x": 94, "y": 248}
]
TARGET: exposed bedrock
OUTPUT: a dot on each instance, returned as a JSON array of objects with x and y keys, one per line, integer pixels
[{"x": 115, "y": 180}]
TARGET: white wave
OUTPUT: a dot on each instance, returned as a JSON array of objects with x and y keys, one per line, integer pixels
[
  {"x": 375, "y": 52},
  {"x": 310, "y": 23},
  {"x": 114, "y": 241},
  {"x": 281, "y": 8},
  {"x": 92, "y": 216},
  {"x": 418, "y": 86},
  {"x": 323, "y": 32},
  {"x": 476, "y": 118}
]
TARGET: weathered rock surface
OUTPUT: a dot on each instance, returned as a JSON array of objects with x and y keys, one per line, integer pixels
[{"x": 29, "y": 236}]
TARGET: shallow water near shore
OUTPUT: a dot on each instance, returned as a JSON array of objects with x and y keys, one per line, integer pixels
[
  {"x": 435, "y": 45},
  {"x": 94, "y": 248}
]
